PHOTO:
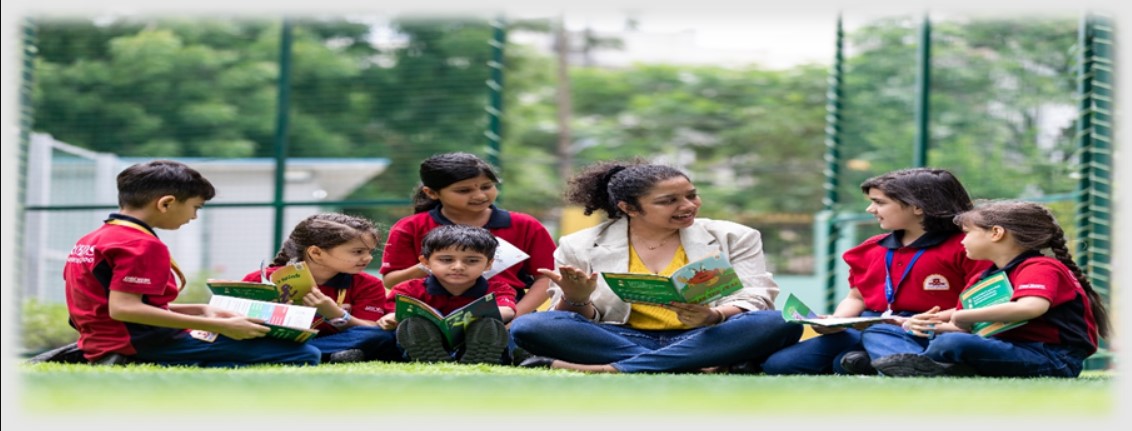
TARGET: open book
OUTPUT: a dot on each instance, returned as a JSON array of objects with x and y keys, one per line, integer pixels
[
  {"x": 288, "y": 322},
  {"x": 506, "y": 256},
  {"x": 992, "y": 290},
  {"x": 796, "y": 311},
  {"x": 698, "y": 282},
  {"x": 288, "y": 283},
  {"x": 455, "y": 323}
]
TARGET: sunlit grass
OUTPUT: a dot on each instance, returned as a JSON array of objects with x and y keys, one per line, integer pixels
[{"x": 48, "y": 389}]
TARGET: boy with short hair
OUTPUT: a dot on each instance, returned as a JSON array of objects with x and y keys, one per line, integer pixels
[
  {"x": 455, "y": 256},
  {"x": 121, "y": 281}
]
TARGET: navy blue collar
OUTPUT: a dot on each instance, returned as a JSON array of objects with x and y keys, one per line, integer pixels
[
  {"x": 340, "y": 281},
  {"x": 116, "y": 216},
  {"x": 1013, "y": 263},
  {"x": 927, "y": 240},
  {"x": 433, "y": 287},
  {"x": 499, "y": 218}
]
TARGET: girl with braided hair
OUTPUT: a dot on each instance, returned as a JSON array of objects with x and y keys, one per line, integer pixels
[
  {"x": 1065, "y": 317},
  {"x": 338, "y": 248}
]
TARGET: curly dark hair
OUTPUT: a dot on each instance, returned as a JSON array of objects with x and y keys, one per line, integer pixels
[{"x": 602, "y": 185}]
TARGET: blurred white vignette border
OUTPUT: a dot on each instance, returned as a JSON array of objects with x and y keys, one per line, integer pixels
[{"x": 728, "y": 15}]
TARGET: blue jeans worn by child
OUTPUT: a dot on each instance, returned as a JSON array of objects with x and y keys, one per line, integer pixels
[
  {"x": 747, "y": 336},
  {"x": 226, "y": 352},
  {"x": 376, "y": 343},
  {"x": 822, "y": 354},
  {"x": 994, "y": 357}
]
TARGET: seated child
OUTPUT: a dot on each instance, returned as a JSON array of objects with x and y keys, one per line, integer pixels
[
  {"x": 337, "y": 248},
  {"x": 121, "y": 283},
  {"x": 456, "y": 257}
]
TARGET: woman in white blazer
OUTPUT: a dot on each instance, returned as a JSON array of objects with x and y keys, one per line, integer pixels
[{"x": 651, "y": 228}]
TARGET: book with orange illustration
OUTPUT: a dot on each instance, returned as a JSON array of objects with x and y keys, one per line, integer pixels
[{"x": 698, "y": 282}]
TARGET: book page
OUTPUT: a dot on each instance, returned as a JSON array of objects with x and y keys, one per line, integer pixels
[
  {"x": 642, "y": 288},
  {"x": 506, "y": 256},
  {"x": 706, "y": 280},
  {"x": 294, "y": 281}
]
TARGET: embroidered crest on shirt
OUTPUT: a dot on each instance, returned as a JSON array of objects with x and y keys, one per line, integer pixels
[{"x": 936, "y": 282}]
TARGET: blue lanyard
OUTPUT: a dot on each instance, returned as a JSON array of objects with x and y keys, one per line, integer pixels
[{"x": 889, "y": 288}]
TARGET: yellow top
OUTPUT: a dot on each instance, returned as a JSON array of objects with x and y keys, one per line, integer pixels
[{"x": 652, "y": 317}]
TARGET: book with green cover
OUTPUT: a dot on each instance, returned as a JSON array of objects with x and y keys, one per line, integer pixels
[
  {"x": 287, "y": 322},
  {"x": 287, "y": 284},
  {"x": 698, "y": 282},
  {"x": 455, "y": 323},
  {"x": 993, "y": 290},
  {"x": 794, "y": 310}
]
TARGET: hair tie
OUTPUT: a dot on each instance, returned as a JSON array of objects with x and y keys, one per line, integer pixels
[{"x": 610, "y": 173}]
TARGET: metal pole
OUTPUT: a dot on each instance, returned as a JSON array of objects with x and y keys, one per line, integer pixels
[
  {"x": 282, "y": 114},
  {"x": 833, "y": 165},
  {"x": 923, "y": 93},
  {"x": 494, "y": 131}
]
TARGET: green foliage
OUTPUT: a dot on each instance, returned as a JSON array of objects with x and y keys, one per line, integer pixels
[
  {"x": 43, "y": 326},
  {"x": 1000, "y": 92}
]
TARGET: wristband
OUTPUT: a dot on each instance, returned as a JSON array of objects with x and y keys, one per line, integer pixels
[
  {"x": 339, "y": 322},
  {"x": 424, "y": 268},
  {"x": 577, "y": 304}
]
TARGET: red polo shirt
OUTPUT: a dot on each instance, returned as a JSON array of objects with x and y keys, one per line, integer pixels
[{"x": 936, "y": 277}]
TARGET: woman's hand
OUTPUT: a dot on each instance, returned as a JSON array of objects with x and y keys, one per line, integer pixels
[
  {"x": 577, "y": 285},
  {"x": 695, "y": 315}
]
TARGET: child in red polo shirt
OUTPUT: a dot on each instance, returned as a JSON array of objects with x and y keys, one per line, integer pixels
[
  {"x": 337, "y": 248},
  {"x": 460, "y": 188},
  {"x": 456, "y": 257},
  {"x": 1064, "y": 317},
  {"x": 920, "y": 264},
  {"x": 121, "y": 282}
]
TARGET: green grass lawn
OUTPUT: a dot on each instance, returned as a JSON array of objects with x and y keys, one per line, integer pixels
[{"x": 48, "y": 390}]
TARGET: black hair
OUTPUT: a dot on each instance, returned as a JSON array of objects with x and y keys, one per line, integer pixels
[
  {"x": 935, "y": 191},
  {"x": 462, "y": 237},
  {"x": 140, "y": 184},
  {"x": 325, "y": 230},
  {"x": 1034, "y": 227},
  {"x": 441, "y": 170},
  {"x": 602, "y": 185}
]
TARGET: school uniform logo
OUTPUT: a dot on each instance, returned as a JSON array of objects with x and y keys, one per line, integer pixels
[{"x": 936, "y": 282}]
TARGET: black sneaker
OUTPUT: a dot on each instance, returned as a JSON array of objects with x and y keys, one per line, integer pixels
[
  {"x": 857, "y": 362},
  {"x": 485, "y": 341},
  {"x": 422, "y": 341},
  {"x": 913, "y": 365},
  {"x": 69, "y": 354},
  {"x": 113, "y": 359},
  {"x": 344, "y": 356}
]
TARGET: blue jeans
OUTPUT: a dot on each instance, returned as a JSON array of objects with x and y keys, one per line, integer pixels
[
  {"x": 999, "y": 358},
  {"x": 748, "y": 336},
  {"x": 817, "y": 355},
  {"x": 226, "y": 352},
  {"x": 375, "y": 342},
  {"x": 884, "y": 339},
  {"x": 822, "y": 354}
]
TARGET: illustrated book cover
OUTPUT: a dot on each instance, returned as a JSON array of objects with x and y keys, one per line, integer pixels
[
  {"x": 698, "y": 282},
  {"x": 455, "y": 323}
]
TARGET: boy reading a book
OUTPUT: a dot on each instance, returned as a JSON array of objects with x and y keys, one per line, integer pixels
[
  {"x": 121, "y": 282},
  {"x": 456, "y": 257}
]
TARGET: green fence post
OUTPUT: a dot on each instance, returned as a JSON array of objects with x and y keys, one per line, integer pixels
[
  {"x": 1094, "y": 139},
  {"x": 832, "y": 169},
  {"x": 282, "y": 115}
]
